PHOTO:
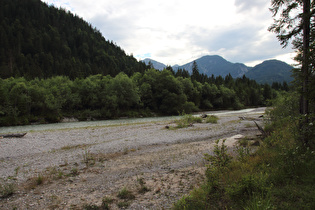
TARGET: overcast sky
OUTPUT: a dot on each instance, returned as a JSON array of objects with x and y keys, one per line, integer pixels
[{"x": 180, "y": 31}]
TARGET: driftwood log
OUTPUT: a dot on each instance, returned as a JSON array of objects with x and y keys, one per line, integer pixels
[{"x": 12, "y": 135}]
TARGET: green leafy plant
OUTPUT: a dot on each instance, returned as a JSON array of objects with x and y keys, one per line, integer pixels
[{"x": 221, "y": 158}]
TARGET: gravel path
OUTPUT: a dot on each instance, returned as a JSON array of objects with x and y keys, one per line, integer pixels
[{"x": 80, "y": 166}]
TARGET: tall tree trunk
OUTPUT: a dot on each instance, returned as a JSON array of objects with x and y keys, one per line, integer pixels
[{"x": 304, "y": 103}]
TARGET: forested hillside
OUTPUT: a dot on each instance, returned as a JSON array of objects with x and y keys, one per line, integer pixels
[{"x": 41, "y": 41}]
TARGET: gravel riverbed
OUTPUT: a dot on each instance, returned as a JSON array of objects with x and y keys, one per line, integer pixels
[{"x": 72, "y": 168}]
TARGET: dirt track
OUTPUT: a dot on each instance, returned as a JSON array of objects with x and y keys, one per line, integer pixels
[{"x": 82, "y": 166}]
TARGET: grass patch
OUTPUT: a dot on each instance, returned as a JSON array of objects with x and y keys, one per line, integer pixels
[
  {"x": 123, "y": 204},
  {"x": 189, "y": 120},
  {"x": 143, "y": 188},
  {"x": 125, "y": 194},
  {"x": 35, "y": 181},
  {"x": 74, "y": 172},
  {"x": 88, "y": 158},
  {"x": 104, "y": 206},
  {"x": 7, "y": 190}
]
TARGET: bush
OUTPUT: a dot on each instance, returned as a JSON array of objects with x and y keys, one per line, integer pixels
[
  {"x": 212, "y": 119},
  {"x": 188, "y": 120}
]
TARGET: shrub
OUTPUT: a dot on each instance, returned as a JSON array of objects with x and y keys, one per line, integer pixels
[
  {"x": 212, "y": 119},
  {"x": 221, "y": 158},
  {"x": 247, "y": 187},
  {"x": 188, "y": 120}
]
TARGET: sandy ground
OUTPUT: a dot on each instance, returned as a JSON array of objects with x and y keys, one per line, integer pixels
[{"x": 71, "y": 168}]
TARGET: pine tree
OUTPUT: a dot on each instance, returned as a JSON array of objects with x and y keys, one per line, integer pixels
[
  {"x": 296, "y": 23},
  {"x": 195, "y": 72}
]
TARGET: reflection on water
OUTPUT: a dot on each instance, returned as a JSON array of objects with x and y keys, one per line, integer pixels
[{"x": 67, "y": 125}]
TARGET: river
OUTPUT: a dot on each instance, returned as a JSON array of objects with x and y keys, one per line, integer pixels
[{"x": 100, "y": 123}]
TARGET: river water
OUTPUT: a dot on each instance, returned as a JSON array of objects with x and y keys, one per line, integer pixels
[{"x": 83, "y": 124}]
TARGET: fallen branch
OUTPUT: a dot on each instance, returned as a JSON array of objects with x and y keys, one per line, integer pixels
[{"x": 263, "y": 132}]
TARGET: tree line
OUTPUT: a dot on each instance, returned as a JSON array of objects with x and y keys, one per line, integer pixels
[{"x": 150, "y": 93}]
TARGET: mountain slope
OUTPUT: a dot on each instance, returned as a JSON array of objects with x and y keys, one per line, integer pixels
[
  {"x": 271, "y": 71},
  {"x": 267, "y": 72},
  {"x": 155, "y": 64},
  {"x": 37, "y": 40},
  {"x": 216, "y": 65}
]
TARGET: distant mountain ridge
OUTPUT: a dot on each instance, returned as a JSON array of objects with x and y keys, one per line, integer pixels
[
  {"x": 155, "y": 64},
  {"x": 267, "y": 72},
  {"x": 216, "y": 65}
]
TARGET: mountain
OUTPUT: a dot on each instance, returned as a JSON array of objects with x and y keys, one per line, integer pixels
[
  {"x": 216, "y": 65},
  {"x": 271, "y": 71},
  {"x": 41, "y": 41},
  {"x": 267, "y": 72},
  {"x": 155, "y": 64}
]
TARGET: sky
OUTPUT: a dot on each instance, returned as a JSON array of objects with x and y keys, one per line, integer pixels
[{"x": 180, "y": 31}]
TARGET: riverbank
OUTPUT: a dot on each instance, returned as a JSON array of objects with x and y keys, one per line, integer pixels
[{"x": 81, "y": 166}]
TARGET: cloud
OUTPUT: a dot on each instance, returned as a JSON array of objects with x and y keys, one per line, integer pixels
[
  {"x": 246, "y": 5},
  {"x": 179, "y": 31}
]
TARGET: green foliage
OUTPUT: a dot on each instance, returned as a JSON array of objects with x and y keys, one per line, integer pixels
[
  {"x": 105, "y": 97},
  {"x": 6, "y": 190},
  {"x": 248, "y": 186},
  {"x": 65, "y": 44},
  {"x": 259, "y": 203},
  {"x": 91, "y": 207},
  {"x": 187, "y": 120},
  {"x": 279, "y": 175},
  {"x": 39, "y": 179},
  {"x": 221, "y": 158},
  {"x": 125, "y": 194},
  {"x": 212, "y": 119},
  {"x": 123, "y": 204}
]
